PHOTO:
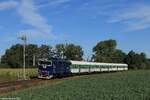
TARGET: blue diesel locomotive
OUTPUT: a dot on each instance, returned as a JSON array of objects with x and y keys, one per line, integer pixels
[{"x": 48, "y": 68}]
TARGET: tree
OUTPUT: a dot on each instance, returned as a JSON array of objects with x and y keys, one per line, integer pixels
[
  {"x": 118, "y": 56},
  {"x": 60, "y": 49},
  {"x": 105, "y": 51},
  {"x": 31, "y": 53},
  {"x": 70, "y": 51},
  {"x": 13, "y": 56},
  {"x": 44, "y": 51},
  {"x": 136, "y": 60},
  {"x": 74, "y": 52}
]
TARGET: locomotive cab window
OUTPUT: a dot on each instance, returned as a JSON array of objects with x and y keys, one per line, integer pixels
[{"x": 45, "y": 63}]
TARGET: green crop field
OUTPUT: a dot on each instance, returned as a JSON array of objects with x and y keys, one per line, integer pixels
[
  {"x": 129, "y": 85},
  {"x": 8, "y": 72}
]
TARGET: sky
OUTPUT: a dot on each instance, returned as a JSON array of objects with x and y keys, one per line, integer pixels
[{"x": 82, "y": 22}]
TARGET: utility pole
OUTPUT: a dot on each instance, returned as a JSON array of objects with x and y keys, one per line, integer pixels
[
  {"x": 33, "y": 60},
  {"x": 24, "y": 39}
]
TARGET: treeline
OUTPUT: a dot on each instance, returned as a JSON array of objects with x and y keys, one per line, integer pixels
[
  {"x": 106, "y": 51},
  {"x": 13, "y": 56},
  {"x": 103, "y": 51}
]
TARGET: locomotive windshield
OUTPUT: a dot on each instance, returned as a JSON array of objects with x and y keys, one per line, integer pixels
[{"x": 45, "y": 62}]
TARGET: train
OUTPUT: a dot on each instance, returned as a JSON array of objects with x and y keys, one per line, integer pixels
[{"x": 53, "y": 67}]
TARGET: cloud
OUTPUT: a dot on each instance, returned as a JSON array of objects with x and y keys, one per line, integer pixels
[
  {"x": 30, "y": 16},
  {"x": 8, "y": 4},
  {"x": 135, "y": 18},
  {"x": 52, "y": 3},
  {"x": 6, "y": 41},
  {"x": 39, "y": 28},
  {"x": 32, "y": 34}
]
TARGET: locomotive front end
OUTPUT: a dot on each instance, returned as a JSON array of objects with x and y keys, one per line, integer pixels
[{"x": 45, "y": 69}]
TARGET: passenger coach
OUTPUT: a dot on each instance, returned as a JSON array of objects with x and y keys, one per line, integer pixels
[{"x": 48, "y": 68}]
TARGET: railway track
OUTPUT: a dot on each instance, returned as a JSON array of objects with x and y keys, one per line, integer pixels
[
  {"x": 10, "y": 86},
  {"x": 16, "y": 85}
]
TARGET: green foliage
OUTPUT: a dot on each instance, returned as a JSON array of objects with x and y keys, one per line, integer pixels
[
  {"x": 13, "y": 56},
  {"x": 74, "y": 52},
  {"x": 4, "y": 66},
  {"x": 44, "y": 51},
  {"x": 129, "y": 85},
  {"x": 137, "y": 61},
  {"x": 105, "y": 51},
  {"x": 70, "y": 51},
  {"x": 118, "y": 56},
  {"x": 31, "y": 50},
  {"x": 60, "y": 48}
]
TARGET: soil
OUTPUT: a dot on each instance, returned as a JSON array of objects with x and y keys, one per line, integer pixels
[{"x": 8, "y": 85}]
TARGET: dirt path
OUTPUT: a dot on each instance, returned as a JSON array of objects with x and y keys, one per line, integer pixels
[{"x": 7, "y": 79}]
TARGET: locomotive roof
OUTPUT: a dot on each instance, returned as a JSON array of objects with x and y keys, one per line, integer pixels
[{"x": 52, "y": 58}]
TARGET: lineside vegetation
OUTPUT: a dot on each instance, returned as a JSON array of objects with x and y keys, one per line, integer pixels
[
  {"x": 129, "y": 85},
  {"x": 9, "y": 72}
]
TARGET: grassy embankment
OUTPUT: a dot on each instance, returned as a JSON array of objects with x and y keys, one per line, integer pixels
[
  {"x": 129, "y": 85},
  {"x": 8, "y": 72}
]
